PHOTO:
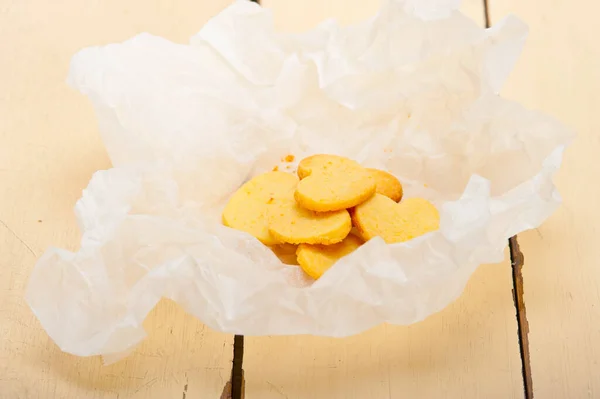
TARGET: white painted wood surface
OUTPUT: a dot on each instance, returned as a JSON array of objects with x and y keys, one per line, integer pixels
[
  {"x": 49, "y": 148},
  {"x": 469, "y": 350},
  {"x": 559, "y": 73}
]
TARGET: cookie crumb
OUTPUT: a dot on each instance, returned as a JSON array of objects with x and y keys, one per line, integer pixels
[
  {"x": 39, "y": 220},
  {"x": 289, "y": 158},
  {"x": 270, "y": 201},
  {"x": 276, "y": 168}
]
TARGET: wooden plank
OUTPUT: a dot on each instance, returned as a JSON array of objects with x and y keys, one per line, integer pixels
[
  {"x": 469, "y": 350},
  {"x": 49, "y": 148},
  {"x": 559, "y": 73}
]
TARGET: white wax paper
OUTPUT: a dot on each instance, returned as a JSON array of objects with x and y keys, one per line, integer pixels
[{"x": 412, "y": 90}]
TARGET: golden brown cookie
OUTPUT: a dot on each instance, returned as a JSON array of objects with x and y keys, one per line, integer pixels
[
  {"x": 330, "y": 183},
  {"x": 387, "y": 184},
  {"x": 286, "y": 253},
  {"x": 290, "y": 223},
  {"x": 247, "y": 208},
  {"x": 356, "y": 231},
  {"x": 317, "y": 259},
  {"x": 395, "y": 222},
  {"x": 309, "y": 163}
]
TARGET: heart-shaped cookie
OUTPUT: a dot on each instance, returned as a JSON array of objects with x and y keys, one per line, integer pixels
[
  {"x": 288, "y": 222},
  {"x": 317, "y": 259},
  {"x": 381, "y": 216},
  {"x": 330, "y": 183},
  {"x": 387, "y": 184},
  {"x": 247, "y": 207}
]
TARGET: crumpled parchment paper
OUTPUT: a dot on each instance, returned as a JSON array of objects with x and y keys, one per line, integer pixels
[{"x": 412, "y": 90}]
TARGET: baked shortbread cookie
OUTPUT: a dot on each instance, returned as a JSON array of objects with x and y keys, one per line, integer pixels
[
  {"x": 286, "y": 253},
  {"x": 395, "y": 222},
  {"x": 290, "y": 223},
  {"x": 387, "y": 184},
  {"x": 247, "y": 207},
  {"x": 317, "y": 259},
  {"x": 330, "y": 183}
]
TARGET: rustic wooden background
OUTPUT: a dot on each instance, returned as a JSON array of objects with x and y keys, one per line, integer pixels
[{"x": 476, "y": 348}]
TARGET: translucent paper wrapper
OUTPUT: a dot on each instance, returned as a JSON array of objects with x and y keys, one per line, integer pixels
[{"x": 412, "y": 90}]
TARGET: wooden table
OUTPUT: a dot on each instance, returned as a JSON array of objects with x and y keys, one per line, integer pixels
[{"x": 476, "y": 348}]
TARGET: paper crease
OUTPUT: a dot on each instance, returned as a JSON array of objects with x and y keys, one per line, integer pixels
[{"x": 412, "y": 90}]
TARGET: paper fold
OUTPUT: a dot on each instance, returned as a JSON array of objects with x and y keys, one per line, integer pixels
[{"x": 412, "y": 90}]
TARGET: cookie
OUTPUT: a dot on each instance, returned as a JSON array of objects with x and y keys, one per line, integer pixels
[
  {"x": 288, "y": 222},
  {"x": 395, "y": 222},
  {"x": 309, "y": 163},
  {"x": 355, "y": 231},
  {"x": 387, "y": 184},
  {"x": 330, "y": 183},
  {"x": 286, "y": 253},
  {"x": 247, "y": 207},
  {"x": 317, "y": 259}
]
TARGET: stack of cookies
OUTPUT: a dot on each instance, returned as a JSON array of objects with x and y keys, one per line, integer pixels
[{"x": 327, "y": 211}]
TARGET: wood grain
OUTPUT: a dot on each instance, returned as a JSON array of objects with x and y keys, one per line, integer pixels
[
  {"x": 49, "y": 148},
  {"x": 469, "y": 350},
  {"x": 559, "y": 73}
]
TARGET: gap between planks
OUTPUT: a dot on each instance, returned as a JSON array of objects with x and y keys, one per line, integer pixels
[
  {"x": 235, "y": 387},
  {"x": 516, "y": 262}
]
